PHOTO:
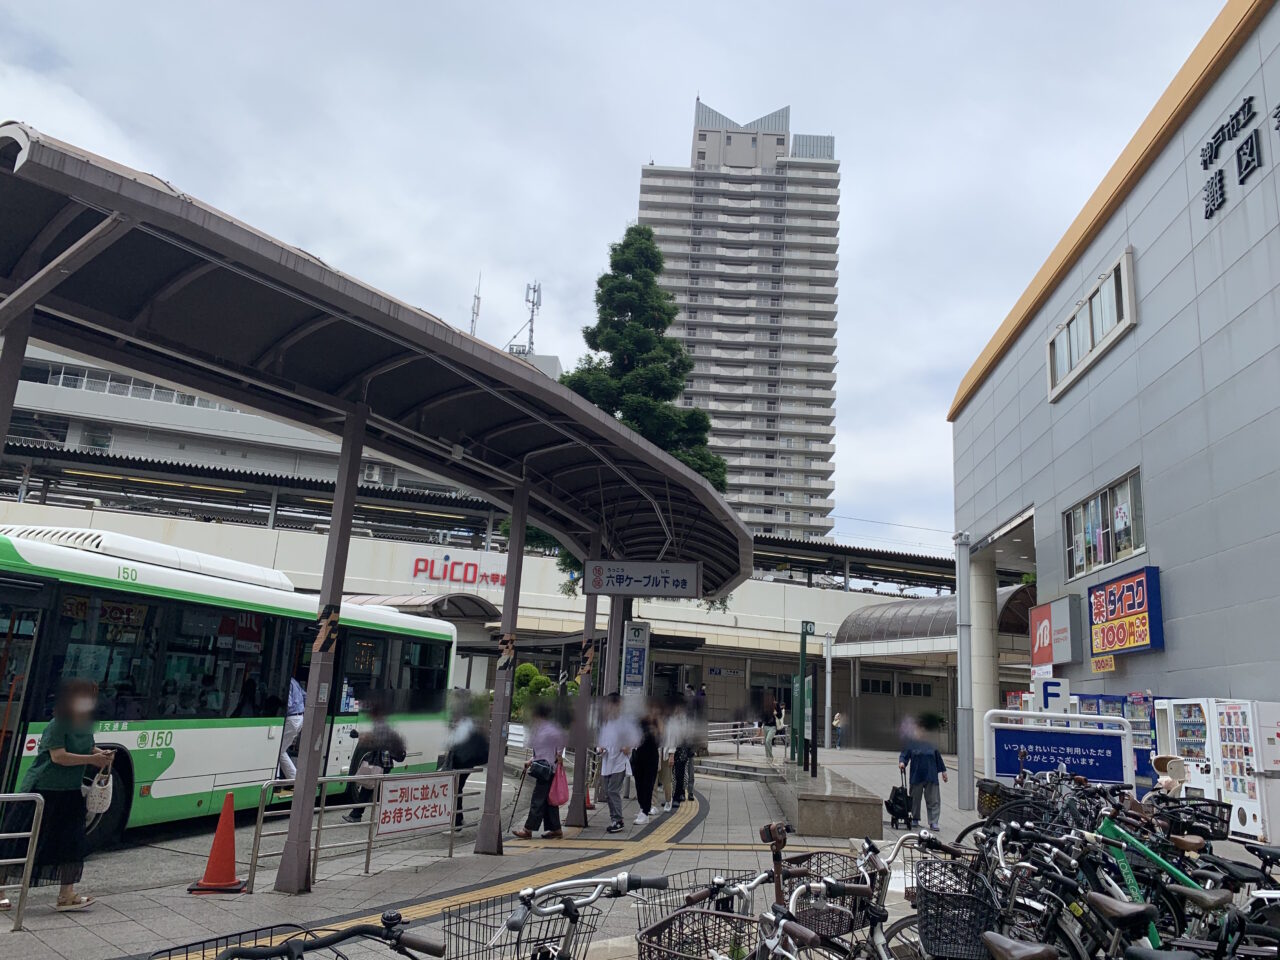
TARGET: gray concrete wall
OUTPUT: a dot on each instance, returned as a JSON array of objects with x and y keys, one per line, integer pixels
[{"x": 1191, "y": 397}]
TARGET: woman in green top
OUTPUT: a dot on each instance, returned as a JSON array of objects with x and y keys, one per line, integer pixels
[{"x": 67, "y": 753}]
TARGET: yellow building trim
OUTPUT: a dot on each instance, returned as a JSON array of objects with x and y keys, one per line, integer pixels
[{"x": 1232, "y": 27}]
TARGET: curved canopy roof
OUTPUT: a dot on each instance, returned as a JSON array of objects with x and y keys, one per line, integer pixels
[
  {"x": 120, "y": 266},
  {"x": 456, "y": 607},
  {"x": 933, "y": 617}
]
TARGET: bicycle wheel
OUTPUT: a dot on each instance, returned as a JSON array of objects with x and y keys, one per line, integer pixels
[
  {"x": 903, "y": 939},
  {"x": 976, "y": 825},
  {"x": 1023, "y": 811}
]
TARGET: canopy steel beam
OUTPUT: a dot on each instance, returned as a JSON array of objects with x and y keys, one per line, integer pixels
[
  {"x": 294, "y": 874},
  {"x": 489, "y": 835},
  {"x": 47, "y": 278}
]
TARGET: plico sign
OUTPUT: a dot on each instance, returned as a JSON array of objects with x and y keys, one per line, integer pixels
[{"x": 456, "y": 570}]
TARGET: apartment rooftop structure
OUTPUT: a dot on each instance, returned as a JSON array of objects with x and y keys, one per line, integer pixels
[{"x": 750, "y": 234}]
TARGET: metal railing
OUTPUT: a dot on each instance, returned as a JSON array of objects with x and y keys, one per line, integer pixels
[
  {"x": 28, "y": 859},
  {"x": 737, "y": 733},
  {"x": 372, "y": 807}
]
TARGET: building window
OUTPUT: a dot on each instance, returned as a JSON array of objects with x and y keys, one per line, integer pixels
[
  {"x": 1105, "y": 314},
  {"x": 728, "y": 138},
  {"x": 1105, "y": 528},
  {"x": 875, "y": 685},
  {"x": 702, "y": 138},
  {"x": 695, "y": 247},
  {"x": 693, "y": 314},
  {"x": 779, "y": 185},
  {"x": 779, "y": 218},
  {"x": 777, "y": 251},
  {"x": 697, "y": 231},
  {"x": 695, "y": 264},
  {"x": 782, "y": 141},
  {"x": 777, "y": 235},
  {"x": 753, "y": 141},
  {"x": 915, "y": 689},
  {"x": 702, "y": 154}
]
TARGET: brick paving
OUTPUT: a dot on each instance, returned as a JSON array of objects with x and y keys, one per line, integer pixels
[{"x": 142, "y": 904}]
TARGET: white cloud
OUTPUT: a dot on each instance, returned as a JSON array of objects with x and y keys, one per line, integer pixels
[{"x": 415, "y": 145}]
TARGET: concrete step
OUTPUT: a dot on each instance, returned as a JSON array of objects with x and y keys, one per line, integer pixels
[{"x": 737, "y": 770}]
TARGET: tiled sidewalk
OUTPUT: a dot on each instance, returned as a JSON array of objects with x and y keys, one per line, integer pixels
[{"x": 152, "y": 910}]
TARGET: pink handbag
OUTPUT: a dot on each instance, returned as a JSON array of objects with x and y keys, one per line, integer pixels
[{"x": 559, "y": 793}]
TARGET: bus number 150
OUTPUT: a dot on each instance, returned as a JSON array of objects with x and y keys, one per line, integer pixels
[{"x": 127, "y": 573}]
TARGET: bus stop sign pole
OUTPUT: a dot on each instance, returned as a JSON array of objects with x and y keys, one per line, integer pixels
[{"x": 294, "y": 874}]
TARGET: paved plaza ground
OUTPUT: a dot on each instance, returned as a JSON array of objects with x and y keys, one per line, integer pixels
[{"x": 142, "y": 904}]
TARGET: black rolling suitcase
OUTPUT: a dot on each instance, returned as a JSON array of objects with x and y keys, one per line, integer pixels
[{"x": 899, "y": 804}]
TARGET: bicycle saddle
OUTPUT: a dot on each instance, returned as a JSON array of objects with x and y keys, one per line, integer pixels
[
  {"x": 1122, "y": 913},
  {"x": 1146, "y": 953},
  {"x": 1003, "y": 948},
  {"x": 1188, "y": 844},
  {"x": 1238, "y": 872},
  {"x": 1204, "y": 899},
  {"x": 1268, "y": 855}
]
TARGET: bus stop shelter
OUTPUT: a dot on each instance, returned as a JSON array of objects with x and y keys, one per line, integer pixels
[{"x": 121, "y": 267}]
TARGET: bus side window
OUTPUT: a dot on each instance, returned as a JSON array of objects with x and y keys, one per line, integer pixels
[
  {"x": 206, "y": 660},
  {"x": 110, "y": 639},
  {"x": 424, "y": 673}
]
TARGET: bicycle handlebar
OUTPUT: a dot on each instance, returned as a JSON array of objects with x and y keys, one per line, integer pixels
[
  {"x": 421, "y": 944},
  {"x": 387, "y": 934},
  {"x": 1018, "y": 832}
]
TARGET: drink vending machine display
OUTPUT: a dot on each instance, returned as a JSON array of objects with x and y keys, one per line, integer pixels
[
  {"x": 1232, "y": 753},
  {"x": 1139, "y": 710}
]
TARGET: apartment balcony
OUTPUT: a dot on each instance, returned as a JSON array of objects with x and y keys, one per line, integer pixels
[
  {"x": 791, "y": 254},
  {"x": 813, "y": 225}
]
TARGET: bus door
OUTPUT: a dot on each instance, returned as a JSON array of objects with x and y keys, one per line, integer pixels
[{"x": 21, "y": 612}]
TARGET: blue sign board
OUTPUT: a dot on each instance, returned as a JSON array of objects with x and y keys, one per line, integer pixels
[{"x": 1094, "y": 754}]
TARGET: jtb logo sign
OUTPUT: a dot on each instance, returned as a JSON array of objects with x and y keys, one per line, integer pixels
[{"x": 1050, "y": 695}]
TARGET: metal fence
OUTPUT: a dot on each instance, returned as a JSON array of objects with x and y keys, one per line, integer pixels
[
  {"x": 27, "y": 860},
  {"x": 332, "y": 806},
  {"x": 738, "y": 733}
]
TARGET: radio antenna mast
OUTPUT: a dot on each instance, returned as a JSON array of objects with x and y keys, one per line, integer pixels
[
  {"x": 533, "y": 297},
  {"x": 475, "y": 305}
]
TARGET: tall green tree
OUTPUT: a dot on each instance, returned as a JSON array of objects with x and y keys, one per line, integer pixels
[{"x": 635, "y": 371}]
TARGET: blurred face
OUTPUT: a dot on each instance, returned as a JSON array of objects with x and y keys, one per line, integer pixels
[{"x": 83, "y": 705}]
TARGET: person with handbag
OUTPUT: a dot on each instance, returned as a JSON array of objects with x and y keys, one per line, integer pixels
[
  {"x": 66, "y": 754},
  {"x": 375, "y": 754},
  {"x": 547, "y": 740}
]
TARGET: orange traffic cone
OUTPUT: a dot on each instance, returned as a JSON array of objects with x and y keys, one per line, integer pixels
[{"x": 220, "y": 871}]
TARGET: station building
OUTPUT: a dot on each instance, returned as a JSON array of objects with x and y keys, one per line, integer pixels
[{"x": 1119, "y": 437}]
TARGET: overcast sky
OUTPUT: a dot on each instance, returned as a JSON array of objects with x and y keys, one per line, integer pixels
[{"x": 416, "y": 145}]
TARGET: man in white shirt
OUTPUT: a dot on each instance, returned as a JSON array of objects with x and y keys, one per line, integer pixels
[{"x": 619, "y": 735}]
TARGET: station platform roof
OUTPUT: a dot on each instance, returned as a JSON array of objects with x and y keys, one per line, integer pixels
[{"x": 121, "y": 267}]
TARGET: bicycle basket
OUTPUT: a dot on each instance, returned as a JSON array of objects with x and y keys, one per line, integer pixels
[
  {"x": 261, "y": 937},
  {"x": 694, "y": 934},
  {"x": 990, "y": 796},
  {"x": 479, "y": 930},
  {"x": 1198, "y": 815},
  {"x": 654, "y": 905},
  {"x": 913, "y": 854},
  {"x": 820, "y": 917},
  {"x": 955, "y": 905}
]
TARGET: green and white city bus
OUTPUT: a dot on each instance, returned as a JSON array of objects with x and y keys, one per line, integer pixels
[{"x": 192, "y": 654}]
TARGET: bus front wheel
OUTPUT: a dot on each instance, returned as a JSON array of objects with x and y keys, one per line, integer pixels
[{"x": 107, "y": 828}]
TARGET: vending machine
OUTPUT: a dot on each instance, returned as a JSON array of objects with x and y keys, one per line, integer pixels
[
  {"x": 1232, "y": 753},
  {"x": 1182, "y": 730},
  {"x": 1139, "y": 710}
]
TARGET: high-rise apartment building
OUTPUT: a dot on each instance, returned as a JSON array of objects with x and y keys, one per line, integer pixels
[{"x": 750, "y": 234}]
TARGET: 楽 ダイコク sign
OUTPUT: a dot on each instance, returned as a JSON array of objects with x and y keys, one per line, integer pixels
[{"x": 1125, "y": 614}]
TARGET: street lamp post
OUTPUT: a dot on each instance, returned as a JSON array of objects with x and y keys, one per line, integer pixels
[{"x": 826, "y": 713}]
